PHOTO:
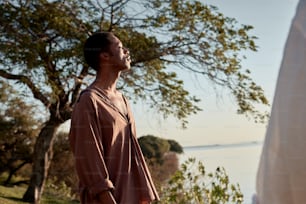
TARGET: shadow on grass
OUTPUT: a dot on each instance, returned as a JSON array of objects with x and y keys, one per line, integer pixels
[{"x": 12, "y": 199}]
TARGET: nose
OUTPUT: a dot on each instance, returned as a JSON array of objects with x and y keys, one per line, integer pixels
[{"x": 126, "y": 51}]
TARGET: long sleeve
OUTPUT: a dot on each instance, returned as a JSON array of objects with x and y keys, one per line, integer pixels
[{"x": 86, "y": 143}]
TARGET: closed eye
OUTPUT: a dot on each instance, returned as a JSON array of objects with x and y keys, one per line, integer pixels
[{"x": 125, "y": 50}]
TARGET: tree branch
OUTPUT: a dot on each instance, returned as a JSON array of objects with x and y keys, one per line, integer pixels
[
  {"x": 78, "y": 83},
  {"x": 36, "y": 92}
]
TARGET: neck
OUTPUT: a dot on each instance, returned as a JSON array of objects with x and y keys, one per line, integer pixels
[{"x": 106, "y": 80}]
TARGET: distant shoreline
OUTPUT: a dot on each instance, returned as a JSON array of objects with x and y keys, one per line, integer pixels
[{"x": 221, "y": 146}]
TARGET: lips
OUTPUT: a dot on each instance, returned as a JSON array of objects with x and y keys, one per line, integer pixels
[{"x": 128, "y": 59}]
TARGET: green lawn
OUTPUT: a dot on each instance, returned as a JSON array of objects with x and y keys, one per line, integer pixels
[{"x": 13, "y": 195}]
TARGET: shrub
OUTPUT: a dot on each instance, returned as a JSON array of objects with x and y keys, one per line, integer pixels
[{"x": 192, "y": 184}]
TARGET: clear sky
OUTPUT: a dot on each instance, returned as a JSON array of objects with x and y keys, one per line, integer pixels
[{"x": 218, "y": 122}]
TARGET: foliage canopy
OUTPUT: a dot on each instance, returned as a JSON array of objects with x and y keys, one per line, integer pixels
[
  {"x": 18, "y": 132},
  {"x": 41, "y": 43},
  {"x": 156, "y": 147}
]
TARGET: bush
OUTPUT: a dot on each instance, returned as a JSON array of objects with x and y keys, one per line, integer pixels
[{"x": 191, "y": 184}]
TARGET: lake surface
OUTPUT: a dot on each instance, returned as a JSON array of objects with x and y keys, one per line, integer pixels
[{"x": 240, "y": 161}]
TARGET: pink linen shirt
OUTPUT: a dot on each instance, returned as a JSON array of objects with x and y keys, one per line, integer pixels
[{"x": 107, "y": 153}]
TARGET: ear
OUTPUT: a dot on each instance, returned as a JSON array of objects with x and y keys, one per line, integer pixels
[{"x": 104, "y": 56}]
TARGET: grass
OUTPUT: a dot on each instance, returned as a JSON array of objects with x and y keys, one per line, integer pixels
[{"x": 13, "y": 195}]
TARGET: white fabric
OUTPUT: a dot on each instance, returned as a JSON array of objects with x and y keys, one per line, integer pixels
[{"x": 281, "y": 177}]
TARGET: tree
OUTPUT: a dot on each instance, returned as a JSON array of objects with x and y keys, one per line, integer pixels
[
  {"x": 154, "y": 148},
  {"x": 161, "y": 157},
  {"x": 17, "y": 132},
  {"x": 41, "y": 50},
  {"x": 175, "y": 146}
]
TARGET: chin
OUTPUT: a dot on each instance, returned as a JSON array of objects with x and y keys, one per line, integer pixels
[{"x": 126, "y": 69}]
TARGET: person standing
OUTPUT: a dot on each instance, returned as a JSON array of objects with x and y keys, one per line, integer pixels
[{"x": 108, "y": 159}]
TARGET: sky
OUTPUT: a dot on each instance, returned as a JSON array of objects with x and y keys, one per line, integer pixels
[{"x": 218, "y": 123}]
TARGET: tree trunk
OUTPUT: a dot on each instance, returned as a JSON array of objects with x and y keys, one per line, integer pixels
[{"x": 43, "y": 152}]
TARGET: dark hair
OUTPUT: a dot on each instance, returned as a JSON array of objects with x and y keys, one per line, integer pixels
[{"x": 94, "y": 45}]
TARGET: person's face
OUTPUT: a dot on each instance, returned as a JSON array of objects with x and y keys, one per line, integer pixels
[{"x": 120, "y": 56}]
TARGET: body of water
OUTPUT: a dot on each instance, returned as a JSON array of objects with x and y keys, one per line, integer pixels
[{"x": 240, "y": 161}]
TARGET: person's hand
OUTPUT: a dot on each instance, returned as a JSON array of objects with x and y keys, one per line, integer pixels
[{"x": 106, "y": 197}]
